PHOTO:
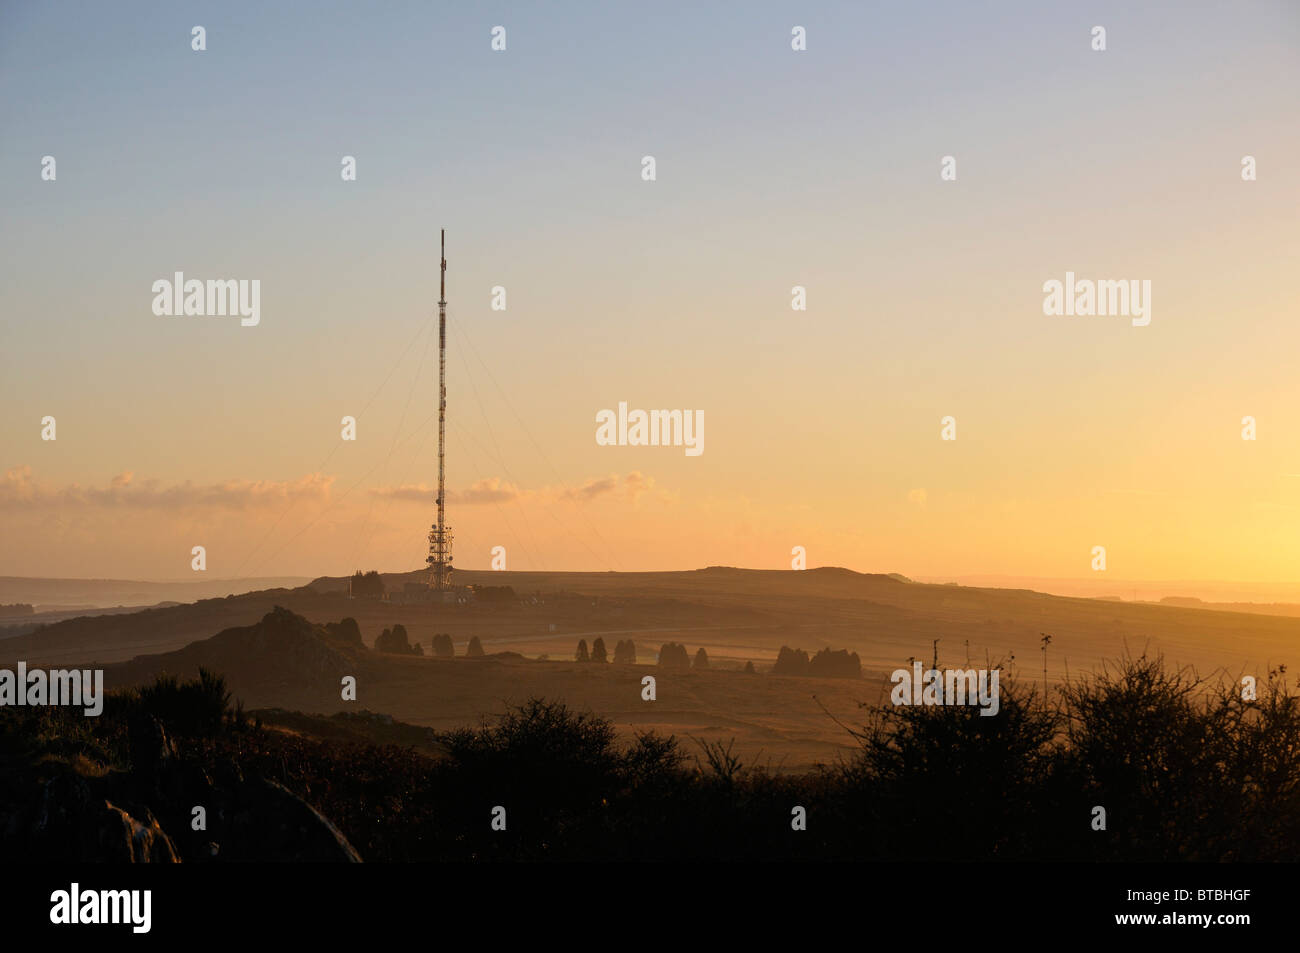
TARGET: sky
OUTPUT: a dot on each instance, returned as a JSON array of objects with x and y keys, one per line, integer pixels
[{"x": 775, "y": 168}]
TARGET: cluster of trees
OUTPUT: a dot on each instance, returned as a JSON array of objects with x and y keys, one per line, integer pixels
[
  {"x": 17, "y": 608},
  {"x": 597, "y": 653},
  {"x": 840, "y": 663},
  {"x": 367, "y": 585},
  {"x": 394, "y": 641},
  {"x": 673, "y": 655},
  {"x": 827, "y": 663},
  {"x": 624, "y": 652},
  {"x": 790, "y": 662},
  {"x": 837, "y": 664}
]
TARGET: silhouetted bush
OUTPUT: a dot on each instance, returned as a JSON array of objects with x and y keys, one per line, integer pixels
[
  {"x": 581, "y": 654},
  {"x": 701, "y": 659},
  {"x": 442, "y": 646},
  {"x": 598, "y": 650},
  {"x": 475, "y": 648},
  {"x": 1180, "y": 769},
  {"x": 953, "y": 783},
  {"x": 193, "y": 707},
  {"x": 547, "y": 765},
  {"x": 1185, "y": 770},
  {"x": 625, "y": 652}
]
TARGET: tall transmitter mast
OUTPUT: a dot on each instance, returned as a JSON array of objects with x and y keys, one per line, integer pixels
[{"x": 440, "y": 535}]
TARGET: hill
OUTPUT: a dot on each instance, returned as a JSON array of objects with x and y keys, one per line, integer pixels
[
  {"x": 285, "y": 662},
  {"x": 736, "y": 615},
  {"x": 57, "y": 594}
]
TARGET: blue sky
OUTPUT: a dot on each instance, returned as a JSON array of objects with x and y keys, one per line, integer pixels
[{"x": 774, "y": 169}]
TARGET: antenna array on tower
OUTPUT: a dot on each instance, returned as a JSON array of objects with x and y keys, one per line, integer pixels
[{"x": 440, "y": 535}]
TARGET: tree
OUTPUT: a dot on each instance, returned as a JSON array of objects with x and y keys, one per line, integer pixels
[
  {"x": 395, "y": 642},
  {"x": 598, "y": 651},
  {"x": 367, "y": 585},
  {"x": 791, "y": 662},
  {"x": 442, "y": 646},
  {"x": 474, "y": 649},
  {"x": 838, "y": 664},
  {"x": 581, "y": 655},
  {"x": 673, "y": 655},
  {"x": 701, "y": 659},
  {"x": 749, "y": 668}
]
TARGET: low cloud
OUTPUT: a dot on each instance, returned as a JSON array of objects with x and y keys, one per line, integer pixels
[
  {"x": 631, "y": 486},
  {"x": 491, "y": 490},
  {"x": 20, "y": 489},
  {"x": 593, "y": 489}
]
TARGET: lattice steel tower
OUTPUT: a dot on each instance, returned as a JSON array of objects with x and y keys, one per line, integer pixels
[{"x": 440, "y": 535}]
